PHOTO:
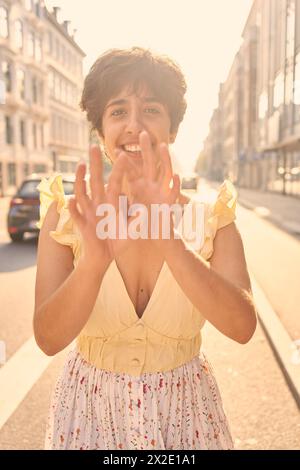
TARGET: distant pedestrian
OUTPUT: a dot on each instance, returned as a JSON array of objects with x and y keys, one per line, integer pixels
[{"x": 137, "y": 377}]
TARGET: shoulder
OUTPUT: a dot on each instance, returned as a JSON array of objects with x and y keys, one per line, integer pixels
[
  {"x": 51, "y": 217},
  {"x": 228, "y": 257}
]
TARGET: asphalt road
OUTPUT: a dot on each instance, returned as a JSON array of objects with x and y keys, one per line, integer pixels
[{"x": 260, "y": 407}]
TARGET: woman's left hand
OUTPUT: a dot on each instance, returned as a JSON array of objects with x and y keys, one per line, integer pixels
[{"x": 149, "y": 185}]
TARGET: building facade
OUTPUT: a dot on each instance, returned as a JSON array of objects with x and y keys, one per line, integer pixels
[
  {"x": 261, "y": 150},
  {"x": 68, "y": 136},
  {"x": 30, "y": 110}
]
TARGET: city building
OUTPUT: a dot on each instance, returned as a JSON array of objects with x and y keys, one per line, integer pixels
[
  {"x": 41, "y": 126},
  {"x": 260, "y": 103},
  {"x": 68, "y": 131}
]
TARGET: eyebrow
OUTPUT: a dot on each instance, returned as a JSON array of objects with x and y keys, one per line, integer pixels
[{"x": 147, "y": 99}]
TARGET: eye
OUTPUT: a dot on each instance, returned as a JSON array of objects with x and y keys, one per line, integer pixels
[
  {"x": 118, "y": 112},
  {"x": 152, "y": 110}
]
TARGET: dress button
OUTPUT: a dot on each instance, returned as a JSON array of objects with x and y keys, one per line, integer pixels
[
  {"x": 139, "y": 332},
  {"x": 135, "y": 361}
]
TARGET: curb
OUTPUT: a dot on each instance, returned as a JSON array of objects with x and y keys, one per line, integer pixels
[{"x": 280, "y": 341}]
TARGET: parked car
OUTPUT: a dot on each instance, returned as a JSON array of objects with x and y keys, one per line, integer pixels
[
  {"x": 24, "y": 207},
  {"x": 189, "y": 181}
]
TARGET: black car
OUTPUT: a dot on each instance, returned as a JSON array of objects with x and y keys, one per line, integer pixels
[
  {"x": 24, "y": 207},
  {"x": 189, "y": 181}
]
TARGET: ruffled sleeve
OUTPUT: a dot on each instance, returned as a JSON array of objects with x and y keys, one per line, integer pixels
[
  {"x": 218, "y": 215},
  {"x": 66, "y": 233}
]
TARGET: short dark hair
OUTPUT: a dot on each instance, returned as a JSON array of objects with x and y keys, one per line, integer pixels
[{"x": 135, "y": 67}]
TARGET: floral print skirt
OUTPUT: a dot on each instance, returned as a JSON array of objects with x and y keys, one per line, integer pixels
[{"x": 97, "y": 409}]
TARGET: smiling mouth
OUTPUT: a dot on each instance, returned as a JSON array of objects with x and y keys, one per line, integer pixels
[
  {"x": 132, "y": 150},
  {"x": 132, "y": 153}
]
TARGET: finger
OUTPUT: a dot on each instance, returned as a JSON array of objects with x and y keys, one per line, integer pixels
[
  {"x": 132, "y": 172},
  {"x": 174, "y": 193},
  {"x": 166, "y": 162},
  {"x": 96, "y": 175},
  {"x": 74, "y": 212},
  {"x": 148, "y": 155},
  {"x": 161, "y": 174},
  {"x": 80, "y": 187},
  {"x": 114, "y": 187}
]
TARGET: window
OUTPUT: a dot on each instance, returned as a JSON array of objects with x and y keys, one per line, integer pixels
[
  {"x": 63, "y": 91},
  {"x": 8, "y": 130},
  {"x": 51, "y": 83},
  {"x": 34, "y": 90},
  {"x": 19, "y": 34},
  {"x": 42, "y": 135},
  {"x": 31, "y": 44},
  {"x": 57, "y": 49},
  {"x": 289, "y": 78},
  {"x": 50, "y": 42},
  {"x": 59, "y": 134},
  {"x": 29, "y": 188},
  {"x": 6, "y": 72},
  {"x": 278, "y": 97},
  {"x": 39, "y": 168},
  {"x": 68, "y": 59},
  {"x": 38, "y": 49},
  {"x": 57, "y": 88},
  {"x": 21, "y": 83},
  {"x": 63, "y": 54},
  {"x": 263, "y": 105},
  {"x": 68, "y": 93},
  {"x": 63, "y": 166},
  {"x": 41, "y": 93},
  {"x": 297, "y": 80},
  {"x": 297, "y": 29},
  {"x": 11, "y": 174},
  {"x": 34, "y": 135},
  {"x": 290, "y": 28},
  {"x": 37, "y": 7},
  {"x": 3, "y": 22},
  {"x": 22, "y": 133},
  {"x": 26, "y": 169},
  {"x": 296, "y": 97}
]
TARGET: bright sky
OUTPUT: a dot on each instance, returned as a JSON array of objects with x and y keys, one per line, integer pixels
[{"x": 202, "y": 36}]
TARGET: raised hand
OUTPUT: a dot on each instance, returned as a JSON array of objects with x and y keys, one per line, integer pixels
[
  {"x": 147, "y": 184},
  {"x": 83, "y": 207}
]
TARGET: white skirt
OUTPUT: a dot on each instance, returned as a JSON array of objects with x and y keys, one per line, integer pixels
[{"x": 97, "y": 409}]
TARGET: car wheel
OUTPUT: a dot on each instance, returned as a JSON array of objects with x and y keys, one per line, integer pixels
[{"x": 16, "y": 237}]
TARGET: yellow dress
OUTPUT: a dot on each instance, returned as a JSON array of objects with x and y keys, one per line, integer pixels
[{"x": 138, "y": 383}]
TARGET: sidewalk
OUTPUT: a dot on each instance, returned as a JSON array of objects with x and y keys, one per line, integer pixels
[
  {"x": 283, "y": 211},
  {"x": 273, "y": 258}
]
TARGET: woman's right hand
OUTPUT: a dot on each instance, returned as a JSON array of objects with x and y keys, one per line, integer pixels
[{"x": 83, "y": 207}]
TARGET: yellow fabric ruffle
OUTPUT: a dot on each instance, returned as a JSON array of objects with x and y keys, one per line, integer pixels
[
  {"x": 66, "y": 233},
  {"x": 220, "y": 214}
]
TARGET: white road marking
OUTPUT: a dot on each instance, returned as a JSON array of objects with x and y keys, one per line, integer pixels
[{"x": 19, "y": 375}]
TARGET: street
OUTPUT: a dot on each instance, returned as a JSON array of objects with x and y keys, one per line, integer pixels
[{"x": 260, "y": 407}]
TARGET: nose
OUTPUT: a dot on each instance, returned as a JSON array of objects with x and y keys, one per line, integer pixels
[{"x": 134, "y": 124}]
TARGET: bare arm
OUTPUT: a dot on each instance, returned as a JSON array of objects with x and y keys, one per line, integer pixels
[
  {"x": 221, "y": 289},
  {"x": 64, "y": 296}
]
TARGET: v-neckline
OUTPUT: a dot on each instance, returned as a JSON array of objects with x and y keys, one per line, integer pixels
[
  {"x": 147, "y": 308},
  {"x": 158, "y": 280}
]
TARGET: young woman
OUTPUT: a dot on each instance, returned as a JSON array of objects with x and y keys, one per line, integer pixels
[{"x": 136, "y": 306}]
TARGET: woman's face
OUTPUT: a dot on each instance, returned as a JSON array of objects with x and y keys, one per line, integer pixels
[{"x": 126, "y": 115}]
